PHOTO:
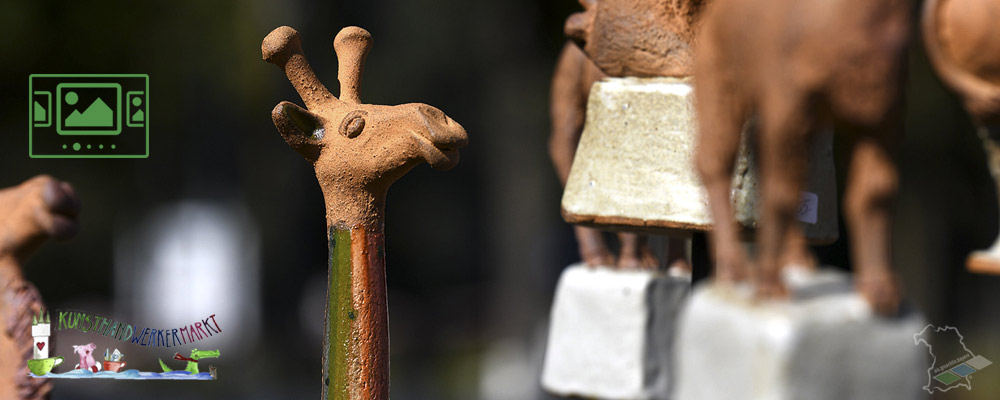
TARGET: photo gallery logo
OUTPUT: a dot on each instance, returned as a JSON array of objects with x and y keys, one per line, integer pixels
[{"x": 88, "y": 116}]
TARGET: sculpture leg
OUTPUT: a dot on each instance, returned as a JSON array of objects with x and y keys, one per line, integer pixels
[
  {"x": 568, "y": 105},
  {"x": 593, "y": 251},
  {"x": 720, "y": 119},
  {"x": 795, "y": 251},
  {"x": 783, "y": 170},
  {"x": 988, "y": 261},
  {"x": 635, "y": 252},
  {"x": 677, "y": 256},
  {"x": 871, "y": 189}
]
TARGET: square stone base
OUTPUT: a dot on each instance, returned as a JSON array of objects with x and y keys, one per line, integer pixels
[
  {"x": 611, "y": 333},
  {"x": 822, "y": 344}
]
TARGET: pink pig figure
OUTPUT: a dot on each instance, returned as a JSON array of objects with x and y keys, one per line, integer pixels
[{"x": 86, "y": 353}]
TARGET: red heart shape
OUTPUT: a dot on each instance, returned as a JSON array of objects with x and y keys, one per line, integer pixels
[{"x": 40, "y": 345}]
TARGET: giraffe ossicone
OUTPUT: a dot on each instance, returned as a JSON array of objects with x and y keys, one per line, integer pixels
[{"x": 357, "y": 149}]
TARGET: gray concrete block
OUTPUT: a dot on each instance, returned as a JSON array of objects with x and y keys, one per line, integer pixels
[
  {"x": 822, "y": 344},
  {"x": 611, "y": 333}
]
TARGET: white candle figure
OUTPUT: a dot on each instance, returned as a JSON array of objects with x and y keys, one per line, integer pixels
[{"x": 41, "y": 330}]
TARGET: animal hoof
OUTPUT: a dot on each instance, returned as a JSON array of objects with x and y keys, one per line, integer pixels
[
  {"x": 881, "y": 291},
  {"x": 771, "y": 289},
  {"x": 730, "y": 265},
  {"x": 601, "y": 258},
  {"x": 644, "y": 262}
]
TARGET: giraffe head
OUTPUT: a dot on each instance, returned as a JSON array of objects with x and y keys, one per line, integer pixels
[{"x": 353, "y": 145}]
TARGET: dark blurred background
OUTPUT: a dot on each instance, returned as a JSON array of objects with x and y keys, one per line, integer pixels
[{"x": 224, "y": 218}]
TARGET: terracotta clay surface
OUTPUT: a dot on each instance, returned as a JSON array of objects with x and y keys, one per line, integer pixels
[
  {"x": 571, "y": 83},
  {"x": 988, "y": 261},
  {"x": 357, "y": 151},
  {"x": 798, "y": 65},
  {"x": 30, "y": 213},
  {"x": 962, "y": 39},
  {"x": 640, "y": 38}
]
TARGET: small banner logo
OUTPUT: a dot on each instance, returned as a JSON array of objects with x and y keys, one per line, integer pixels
[
  {"x": 88, "y": 116},
  {"x": 953, "y": 364}
]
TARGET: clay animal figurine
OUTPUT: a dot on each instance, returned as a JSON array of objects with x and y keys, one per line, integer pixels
[
  {"x": 574, "y": 75},
  {"x": 798, "y": 65},
  {"x": 192, "y": 362},
  {"x": 30, "y": 213},
  {"x": 962, "y": 40},
  {"x": 86, "y": 353},
  {"x": 638, "y": 37},
  {"x": 357, "y": 151},
  {"x": 570, "y": 88},
  {"x": 620, "y": 38}
]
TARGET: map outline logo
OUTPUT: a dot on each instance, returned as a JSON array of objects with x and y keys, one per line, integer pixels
[{"x": 957, "y": 367}]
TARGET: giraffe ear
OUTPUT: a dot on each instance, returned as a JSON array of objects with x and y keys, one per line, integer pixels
[
  {"x": 578, "y": 26},
  {"x": 300, "y": 128}
]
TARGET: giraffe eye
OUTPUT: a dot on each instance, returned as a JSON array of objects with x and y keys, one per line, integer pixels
[{"x": 353, "y": 124}]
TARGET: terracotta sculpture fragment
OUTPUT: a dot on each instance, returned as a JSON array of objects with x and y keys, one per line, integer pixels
[
  {"x": 574, "y": 76},
  {"x": 799, "y": 65},
  {"x": 962, "y": 39},
  {"x": 641, "y": 38},
  {"x": 30, "y": 214}
]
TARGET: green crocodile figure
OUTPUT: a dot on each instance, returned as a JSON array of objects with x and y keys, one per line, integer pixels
[{"x": 192, "y": 365}]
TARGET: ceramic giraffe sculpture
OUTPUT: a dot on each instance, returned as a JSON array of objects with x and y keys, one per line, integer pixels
[
  {"x": 357, "y": 151},
  {"x": 30, "y": 214},
  {"x": 963, "y": 44},
  {"x": 619, "y": 38}
]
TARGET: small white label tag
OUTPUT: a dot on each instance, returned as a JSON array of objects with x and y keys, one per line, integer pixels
[{"x": 808, "y": 208}]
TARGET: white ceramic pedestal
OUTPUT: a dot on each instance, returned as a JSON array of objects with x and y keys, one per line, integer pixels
[
  {"x": 611, "y": 333},
  {"x": 823, "y": 344}
]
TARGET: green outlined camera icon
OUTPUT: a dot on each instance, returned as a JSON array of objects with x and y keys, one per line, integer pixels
[{"x": 88, "y": 116}]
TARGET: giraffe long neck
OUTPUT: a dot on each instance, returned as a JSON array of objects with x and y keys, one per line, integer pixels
[{"x": 356, "y": 344}]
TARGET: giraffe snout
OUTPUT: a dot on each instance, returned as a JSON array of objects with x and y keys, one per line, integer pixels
[
  {"x": 439, "y": 137},
  {"x": 441, "y": 130}
]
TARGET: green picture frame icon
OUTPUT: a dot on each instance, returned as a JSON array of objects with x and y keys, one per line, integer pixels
[
  {"x": 99, "y": 117},
  {"x": 136, "y": 118},
  {"x": 98, "y": 120},
  {"x": 44, "y": 112}
]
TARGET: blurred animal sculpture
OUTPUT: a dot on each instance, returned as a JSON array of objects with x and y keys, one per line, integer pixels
[
  {"x": 574, "y": 76},
  {"x": 86, "y": 353},
  {"x": 357, "y": 151},
  {"x": 962, "y": 39},
  {"x": 30, "y": 213},
  {"x": 639, "y": 38},
  {"x": 797, "y": 65}
]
